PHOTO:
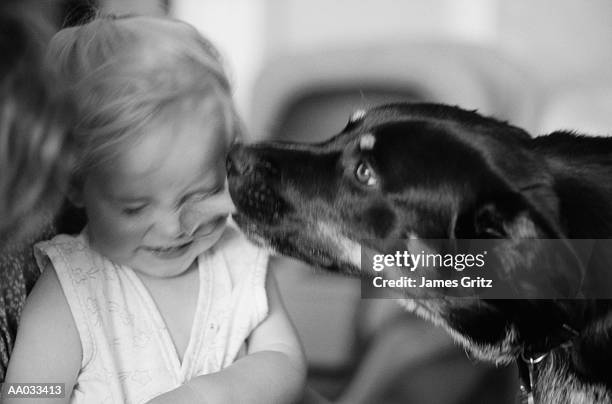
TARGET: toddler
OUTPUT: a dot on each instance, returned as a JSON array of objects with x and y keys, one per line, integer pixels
[{"x": 159, "y": 299}]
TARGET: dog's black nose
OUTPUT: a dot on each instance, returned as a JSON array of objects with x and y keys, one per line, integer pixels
[{"x": 238, "y": 161}]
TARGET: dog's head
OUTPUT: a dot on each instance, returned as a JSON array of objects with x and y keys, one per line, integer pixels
[
  {"x": 406, "y": 171},
  {"x": 395, "y": 172}
]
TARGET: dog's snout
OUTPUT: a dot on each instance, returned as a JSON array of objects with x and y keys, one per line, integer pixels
[
  {"x": 242, "y": 161},
  {"x": 254, "y": 184}
]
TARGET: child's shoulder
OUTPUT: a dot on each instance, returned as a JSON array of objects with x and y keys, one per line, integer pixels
[
  {"x": 233, "y": 239},
  {"x": 240, "y": 254}
]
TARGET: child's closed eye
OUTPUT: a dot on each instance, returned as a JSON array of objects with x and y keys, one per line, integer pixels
[
  {"x": 133, "y": 210},
  {"x": 197, "y": 196},
  {"x": 201, "y": 194}
]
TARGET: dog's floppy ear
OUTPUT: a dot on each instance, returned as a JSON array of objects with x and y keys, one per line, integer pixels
[
  {"x": 535, "y": 256},
  {"x": 506, "y": 217}
]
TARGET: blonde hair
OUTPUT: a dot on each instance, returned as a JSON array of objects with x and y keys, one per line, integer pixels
[{"x": 124, "y": 71}]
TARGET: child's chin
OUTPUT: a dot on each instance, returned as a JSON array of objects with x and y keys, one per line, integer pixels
[{"x": 166, "y": 269}]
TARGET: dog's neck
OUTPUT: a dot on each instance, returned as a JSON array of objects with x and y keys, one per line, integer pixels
[
  {"x": 529, "y": 363},
  {"x": 578, "y": 353},
  {"x": 556, "y": 382}
]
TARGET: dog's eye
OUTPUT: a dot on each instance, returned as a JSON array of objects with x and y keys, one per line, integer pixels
[{"x": 365, "y": 174}]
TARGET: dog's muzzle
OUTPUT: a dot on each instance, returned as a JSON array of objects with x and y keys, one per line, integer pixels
[{"x": 253, "y": 181}]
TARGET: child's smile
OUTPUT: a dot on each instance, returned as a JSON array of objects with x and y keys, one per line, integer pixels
[
  {"x": 176, "y": 250},
  {"x": 169, "y": 252}
]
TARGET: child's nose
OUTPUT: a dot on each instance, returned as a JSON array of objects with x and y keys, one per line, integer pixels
[{"x": 170, "y": 225}]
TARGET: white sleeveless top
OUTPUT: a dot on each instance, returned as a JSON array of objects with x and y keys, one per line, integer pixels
[{"x": 128, "y": 354}]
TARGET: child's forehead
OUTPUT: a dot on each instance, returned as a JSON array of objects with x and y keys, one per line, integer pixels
[
  {"x": 179, "y": 144},
  {"x": 146, "y": 172},
  {"x": 192, "y": 110}
]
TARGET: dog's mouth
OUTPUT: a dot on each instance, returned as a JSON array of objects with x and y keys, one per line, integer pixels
[
  {"x": 269, "y": 220},
  {"x": 253, "y": 230},
  {"x": 256, "y": 199},
  {"x": 292, "y": 240}
]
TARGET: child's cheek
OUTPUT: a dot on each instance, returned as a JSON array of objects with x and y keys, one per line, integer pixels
[{"x": 193, "y": 215}]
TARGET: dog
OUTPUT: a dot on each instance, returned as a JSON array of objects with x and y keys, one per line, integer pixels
[{"x": 431, "y": 171}]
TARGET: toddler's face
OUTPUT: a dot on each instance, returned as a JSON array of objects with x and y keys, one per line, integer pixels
[{"x": 163, "y": 200}]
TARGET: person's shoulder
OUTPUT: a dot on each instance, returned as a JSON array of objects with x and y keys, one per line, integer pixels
[
  {"x": 239, "y": 253},
  {"x": 233, "y": 239},
  {"x": 47, "y": 295},
  {"x": 47, "y": 332}
]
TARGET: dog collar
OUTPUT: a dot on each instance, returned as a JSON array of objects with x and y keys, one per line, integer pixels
[
  {"x": 529, "y": 362},
  {"x": 527, "y": 374}
]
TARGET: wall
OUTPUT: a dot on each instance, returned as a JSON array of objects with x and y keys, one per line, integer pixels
[
  {"x": 236, "y": 28},
  {"x": 560, "y": 41},
  {"x": 554, "y": 38}
]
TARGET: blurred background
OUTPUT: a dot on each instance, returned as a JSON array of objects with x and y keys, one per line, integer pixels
[{"x": 299, "y": 67}]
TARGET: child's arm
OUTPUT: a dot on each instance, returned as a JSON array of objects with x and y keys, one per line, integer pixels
[
  {"x": 274, "y": 371},
  {"x": 48, "y": 347}
]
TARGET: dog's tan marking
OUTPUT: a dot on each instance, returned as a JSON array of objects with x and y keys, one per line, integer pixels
[
  {"x": 357, "y": 115},
  {"x": 347, "y": 249},
  {"x": 500, "y": 354},
  {"x": 366, "y": 142}
]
